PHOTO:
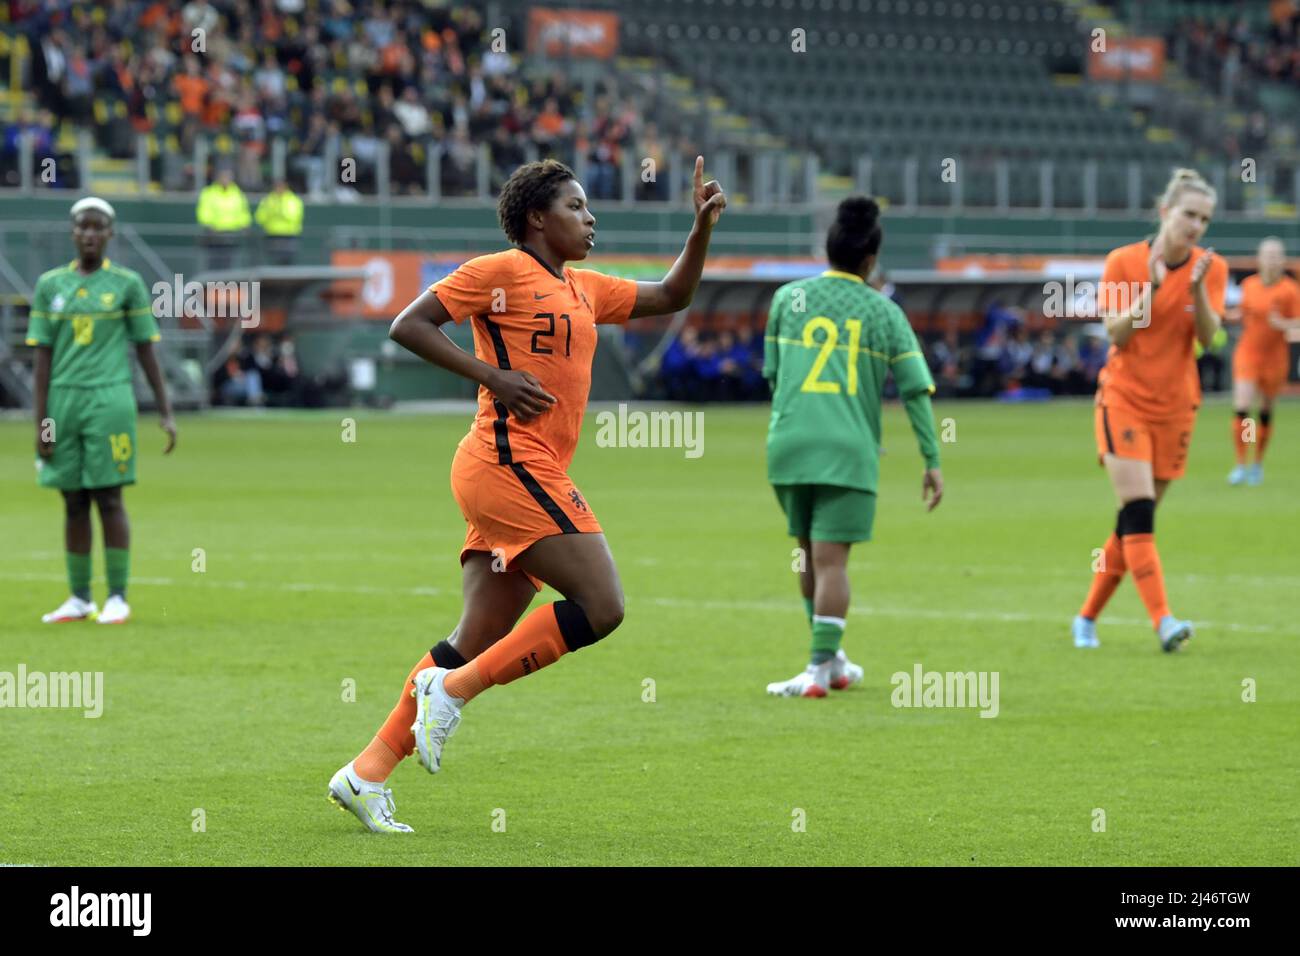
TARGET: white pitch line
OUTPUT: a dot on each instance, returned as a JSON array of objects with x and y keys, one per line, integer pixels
[
  {"x": 294, "y": 586},
  {"x": 963, "y": 570},
  {"x": 703, "y": 604}
]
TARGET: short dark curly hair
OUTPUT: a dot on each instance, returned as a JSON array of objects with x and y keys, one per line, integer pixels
[{"x": 531, "y": 186}]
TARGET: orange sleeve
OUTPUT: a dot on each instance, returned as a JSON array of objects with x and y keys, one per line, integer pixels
[
  {"x": 612, "y": 298},
  {"x": 1294, "y": 311},
  {"x": 1112, "y": 291},
  {"x": 1216, "y": 283},
  {"x": 474, "y": 288}
]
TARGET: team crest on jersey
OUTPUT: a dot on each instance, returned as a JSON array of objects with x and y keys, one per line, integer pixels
[
  {"x": 106, "y": 299},
  {"x": 82, "y": 293},
  {"x": 576, "y": 498}
]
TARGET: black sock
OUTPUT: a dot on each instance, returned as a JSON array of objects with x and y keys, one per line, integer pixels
[{"x": 444, "y": 655}]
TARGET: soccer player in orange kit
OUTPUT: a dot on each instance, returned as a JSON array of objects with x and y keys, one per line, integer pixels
[
  {"x": 534, "y": 323},
  {"x": 1157, "y": 297},
  {"x": 1270, "y": 305}
]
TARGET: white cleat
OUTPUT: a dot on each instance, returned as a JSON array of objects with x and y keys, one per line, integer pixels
[
  {"x": 436, "y": 715},
  {"x": 73, "y": 609},
  {"x": 372, "y": 803},
  {"x": 813, "y": 682},
  {"x": 116, "y": 610},
  {"x": 844, "y": 673}
]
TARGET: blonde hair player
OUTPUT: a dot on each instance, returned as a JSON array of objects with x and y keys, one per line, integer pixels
[
  {"x": 1158, "y": 297},
  {"x": 1270, "y": 307}
]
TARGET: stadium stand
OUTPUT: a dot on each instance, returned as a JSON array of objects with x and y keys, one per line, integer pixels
[{"x": 123, "y": 100}]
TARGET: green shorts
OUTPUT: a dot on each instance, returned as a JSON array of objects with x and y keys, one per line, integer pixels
[
  {"x": 94, "y": 438},
  {"x": 827, "y": 512}
]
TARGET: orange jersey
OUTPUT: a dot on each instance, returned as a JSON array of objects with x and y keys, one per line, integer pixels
[
  {"x": 528, "y": 318},
  {"x": 1260, "y": 340},
  {"x": 1155, "y": 370}
]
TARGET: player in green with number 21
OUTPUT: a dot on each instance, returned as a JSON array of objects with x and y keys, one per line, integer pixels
[
  {"x": 830, "y": 343},
  {"x": 84, "y": 315}
]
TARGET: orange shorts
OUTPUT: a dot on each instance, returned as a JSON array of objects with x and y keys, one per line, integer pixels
[
  {"x": 1124, "y": 432},
  {"x": 509, "y": 508},
  {"x": 1267, "y": 371}
]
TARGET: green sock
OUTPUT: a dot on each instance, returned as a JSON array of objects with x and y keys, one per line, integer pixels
[
  {"x": 78, "y": 574},
  {"x": 118, "y": 564},
  {"x": 808, "y": 606},
  {"x": 827, "y": 632}
]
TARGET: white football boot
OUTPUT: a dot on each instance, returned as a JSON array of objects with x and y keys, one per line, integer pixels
[
  {"x": 73, "y": 609},
  {"x": 813, "y": 682},
  {"x": 1173, "y": 633},
  {"x": 371, "y": 802},
  {"x": 436, "y": 715},
  {"x": 844, "y": 673},
  {"x": 116, "y": 610}
]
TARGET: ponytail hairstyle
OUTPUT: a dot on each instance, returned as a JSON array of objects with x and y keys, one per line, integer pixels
[
  {"x": 855, "y": 233},
  {"x": 1182, "y": 181}
]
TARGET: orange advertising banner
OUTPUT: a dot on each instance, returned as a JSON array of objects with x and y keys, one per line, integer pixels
[
  {"x": 1134, "y": 58},
  {"x": 583, "y": 33},
  {"x": 393, "y": 280}
]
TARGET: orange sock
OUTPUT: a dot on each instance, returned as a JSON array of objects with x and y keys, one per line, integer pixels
[
  {"x": 394, "y": 740},
  {"x": 377, "y": 761},
  {"x": 535, "y": 642},
  {"x": 1238, "y": 427},
  {"x": 1106, "y": 579},
  {"x": 1143, "y": 560},
  {"x": 1261, "y": 439}
]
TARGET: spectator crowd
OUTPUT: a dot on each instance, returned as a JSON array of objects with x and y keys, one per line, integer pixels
[
  {"x": 334, "y": 78},
  {"x": 1004, "y": 358}
]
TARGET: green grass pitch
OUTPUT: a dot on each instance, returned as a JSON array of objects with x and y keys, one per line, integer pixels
[{"x": 329, "y": 562}]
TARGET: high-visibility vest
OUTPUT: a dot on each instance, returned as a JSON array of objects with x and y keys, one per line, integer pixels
[
  {"x": 223, "y": 209},
  {"x": 280, "y": 214}
]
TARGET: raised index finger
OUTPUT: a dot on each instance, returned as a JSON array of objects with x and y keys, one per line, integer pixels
[{"x": 699, "y": 171}]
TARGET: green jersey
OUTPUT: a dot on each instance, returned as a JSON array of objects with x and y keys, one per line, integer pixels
[
  {"x": 89, "y": 322},
  {"x": 830, "y": 342}
]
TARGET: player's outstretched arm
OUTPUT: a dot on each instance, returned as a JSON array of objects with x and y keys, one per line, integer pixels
[
  {"x": 676, "y": 290},
  {"x": 418, "y": 329},
  {"x": 149, "y": 362}
]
